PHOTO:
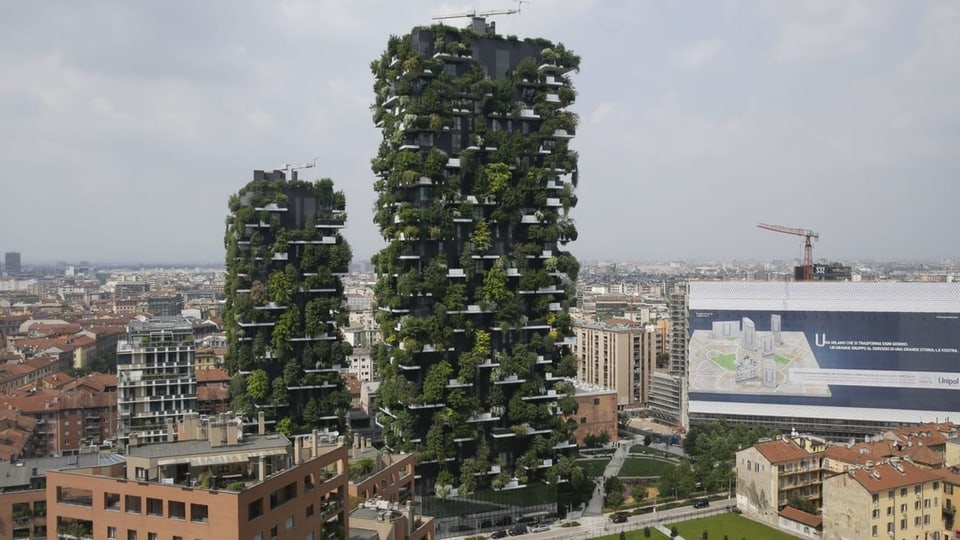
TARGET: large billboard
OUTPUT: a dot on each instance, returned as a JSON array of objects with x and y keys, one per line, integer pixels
[{"x": 873, "y": 351}]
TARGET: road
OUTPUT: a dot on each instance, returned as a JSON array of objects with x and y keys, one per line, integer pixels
[{"x": 595, "y": 526}]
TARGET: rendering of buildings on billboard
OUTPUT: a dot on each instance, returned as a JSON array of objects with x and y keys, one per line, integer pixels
[{"x": 875, "y": 351}]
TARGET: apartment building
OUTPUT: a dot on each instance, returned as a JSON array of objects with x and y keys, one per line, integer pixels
[
  {"x": 156, "y": 376},
  {"x": 215, "y": 482},
  {"x": 893, "y": 499},
  {"x": 618, "y": 354},
  {"x": 770, "y": 473}
]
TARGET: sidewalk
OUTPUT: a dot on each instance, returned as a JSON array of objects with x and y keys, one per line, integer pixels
[{"x": 595, "y": 506}]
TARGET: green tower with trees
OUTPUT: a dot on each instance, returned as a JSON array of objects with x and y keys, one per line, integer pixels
[
  {"x": 284, "y": 302},
  {"x": 475, "y": 181}
]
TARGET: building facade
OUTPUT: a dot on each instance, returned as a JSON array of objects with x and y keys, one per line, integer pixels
[
  {"x": 771, "y": 473},
  {"x": 893, "y": 499},
  {"x": 617, "y": 354},
  {"x": 216, "y": 482},
  {"x": 156, "y": 377},
  {"x": 284, "y": 299},
  {"x": 668, "y": 389},
  {"x": 475, "y": 180}
]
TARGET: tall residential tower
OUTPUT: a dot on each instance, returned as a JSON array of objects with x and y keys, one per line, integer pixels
[
  {"x": 284, "y": 308},
  {"x": 475, "y": 179}
]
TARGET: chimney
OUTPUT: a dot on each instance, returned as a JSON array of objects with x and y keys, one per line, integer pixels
[
  {"x": 297, "y": 450},
  {"x": 261, "y": 423},
  {"x": 262, "y": 469}
]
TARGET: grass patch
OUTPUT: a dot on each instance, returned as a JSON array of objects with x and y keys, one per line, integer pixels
[
  {"x": 569, "y": 524},
  {"x": 638, "y": 535},
  {"x": 730, "y": 524},
  {"x": 531, "y": 495},
  {"x": 643, "y": 467},
  {"x": 781, "y": 359},
  {"x": 726, "y": 361},
  {"x": 593, "y": 467}
]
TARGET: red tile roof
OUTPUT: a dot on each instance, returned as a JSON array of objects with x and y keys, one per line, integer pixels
[
  {"x": 795, "y": 514},
  {"x": 886, "y": 476},
  {"x": 782, "y": 450}
]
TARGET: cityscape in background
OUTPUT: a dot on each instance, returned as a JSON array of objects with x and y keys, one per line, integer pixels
[{"x": 473, "y": 378}]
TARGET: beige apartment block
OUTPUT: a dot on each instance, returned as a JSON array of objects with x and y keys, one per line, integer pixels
[
  {"x": 618, "y": 354},
  {"x": 894, "y": 499},
  {"x": 770, "y": 473}
]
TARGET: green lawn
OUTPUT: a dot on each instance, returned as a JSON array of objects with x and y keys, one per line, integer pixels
[
  {"x": 643, "y": 467},
  {"x": 732, "y": 525},
  {"x": 781, "y": 359},
  {"x": 593, "y": 467},
  {"x": 726, "y": 361}
]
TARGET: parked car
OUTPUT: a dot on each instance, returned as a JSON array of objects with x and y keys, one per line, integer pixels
[
  {"x": 518, "y": 529},
  {"x": 619, "y": 517},
  {"x": 701, "y": 503},
  {"x": 502, "y": 533},
  {"x": 539, "y": 528}
]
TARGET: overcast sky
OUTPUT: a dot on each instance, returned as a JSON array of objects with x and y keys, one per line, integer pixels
[{"x": 126, "y": 125}]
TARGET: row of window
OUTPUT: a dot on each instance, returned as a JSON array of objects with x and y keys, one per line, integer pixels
[
  {"x": 917, "y": 522},
  {"x": 154, "y": 507}
]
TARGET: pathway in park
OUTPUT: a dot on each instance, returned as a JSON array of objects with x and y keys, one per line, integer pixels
[{"x": 595, "y": 506}]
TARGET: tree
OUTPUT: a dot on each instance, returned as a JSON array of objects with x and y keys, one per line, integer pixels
[
  {"x": 613, "y": 487},
  {"x": 704, "y": 535},
  {"x": 285, "y": 426},
  {"x": 674, "y": 532},
  {"x": 623, "y": 535},
  {"x": 646, "y": 532},
  {"x": 803, "y": 504},
  {"x": 647, "y": 439},
  {"x": 258, "y": 383}
]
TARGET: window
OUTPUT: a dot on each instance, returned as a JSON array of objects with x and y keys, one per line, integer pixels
[
  {"x": 254, "y": 509},
  {"x": 154, "y": 507},
  {"x": 111, "y": 533},
  {"x": 903, "y": 492},
  {"x": 874, "y": 530},
  {"x": 903, "y": 508},
  {"x": 876, "y": 513},
  {"x": 876, "y": 498},
  {"x": 131, "y": 535},
  {"x": 926, "y": 519},
  {"x": 309, "y": 482},
  {"x": 283, "y": 495},
  {"x": 273, "y": 531},
  {"x": 903, "y": 524},
  {"x": 141, "y": 473},
  {"x": 936, "y": 486},
  {"x": 583, "y": 419},
  {"x": 310, "y": 510},
  {"x": 916, "y": 490},
  {"x": 890, "y": 494},
  {"x": 889, "y": 510},
  {"x": 111, "y": 501},
  {"x": 198, "y": 513},
  {"x": 596, "y": 401},
  {"x": 176, "y": 510},
  {"x": 916, "y": 521},
  {"x": 132, "y": 504},
  {"x": 152, "y": 536},
  {"x": 289, "y": 523},
  {"x": 258, "y": 536}
]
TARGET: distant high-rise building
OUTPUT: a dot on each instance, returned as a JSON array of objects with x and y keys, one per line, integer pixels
[
  {"x": 284, "y": 301},
  {"x": 11, "y": 263},
  {"x": 668, "y": 389},
  {"x": 475, "y": 179},
  {"x": 156, "y": 377}
]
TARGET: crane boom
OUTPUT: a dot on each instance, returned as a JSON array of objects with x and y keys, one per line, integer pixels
[
  {"x": 474, "y": 13},
  {"x": 808, "y": 235}
]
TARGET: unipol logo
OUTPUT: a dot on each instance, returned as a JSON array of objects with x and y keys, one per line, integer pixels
[{"x": 820, "y": 339}]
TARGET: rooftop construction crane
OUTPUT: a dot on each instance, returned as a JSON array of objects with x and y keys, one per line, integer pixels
[
  {"x": 807, "y": 245},
  {"x": 475, "y": 14},
  {"x": 288, "y": 167}
]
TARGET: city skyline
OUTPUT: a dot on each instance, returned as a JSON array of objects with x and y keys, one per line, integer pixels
[{"x": 130, "y": 125}]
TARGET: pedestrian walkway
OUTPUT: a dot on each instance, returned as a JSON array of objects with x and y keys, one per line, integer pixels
[{"x": 595, "y": 506}]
